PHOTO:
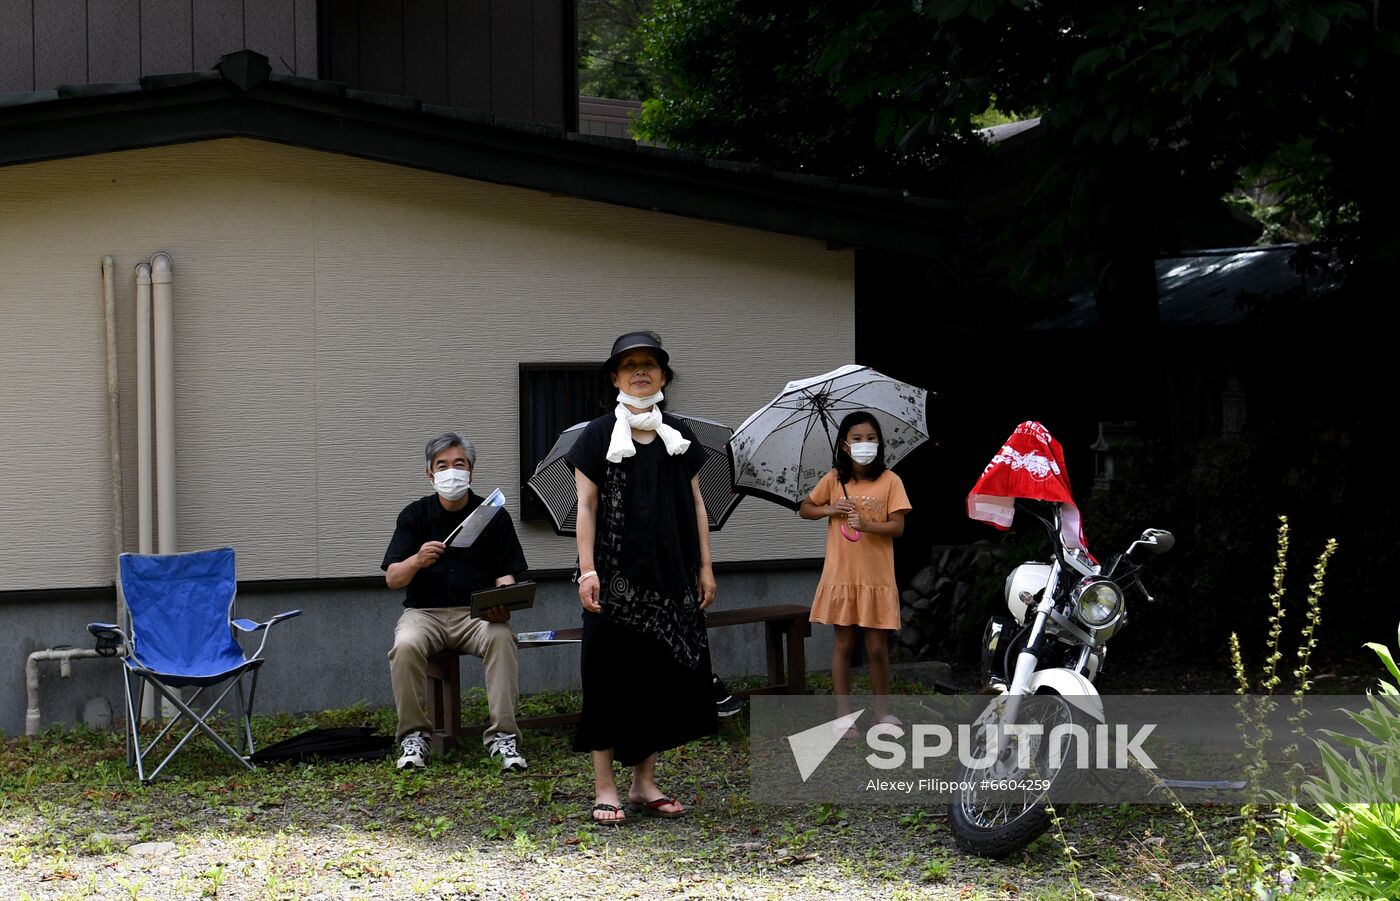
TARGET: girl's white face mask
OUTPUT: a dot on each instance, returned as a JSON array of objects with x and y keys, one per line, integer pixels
[
  {"x": 452, "y": 484},
  {"x": 864, "y": 452}
]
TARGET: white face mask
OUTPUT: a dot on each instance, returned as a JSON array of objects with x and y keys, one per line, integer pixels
[
  {"x": 452, "y": 484},
  {"x": 864, "y": 452},
  {"x": 641, "y": 403}
]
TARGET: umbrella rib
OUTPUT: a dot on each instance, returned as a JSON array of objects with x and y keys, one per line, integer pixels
[
  {"x": 832, "y": 428},
  {"x": 799, "y": 412},
  {"x": 848, "y": 391},
  {"x": 840, "y": 403},
  {"x": 877, "y": 408},
  {"x": 798, "y": 417},
  {"x": 812, "y": 422}
]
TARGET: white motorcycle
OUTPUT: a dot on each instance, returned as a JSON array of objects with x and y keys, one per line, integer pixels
[{"x": 1041, "y": 662}]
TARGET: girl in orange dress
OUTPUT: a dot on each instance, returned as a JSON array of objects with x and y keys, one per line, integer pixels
[{"x": 861, "y": 500}]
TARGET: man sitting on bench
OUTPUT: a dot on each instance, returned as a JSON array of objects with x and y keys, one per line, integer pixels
[{"x": 439, "y": 582}]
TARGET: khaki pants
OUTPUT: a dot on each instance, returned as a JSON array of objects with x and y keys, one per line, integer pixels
[{"x": 421, "y": 633}]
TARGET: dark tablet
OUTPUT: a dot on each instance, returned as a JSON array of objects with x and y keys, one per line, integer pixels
[{"x": 512, "y": 597}]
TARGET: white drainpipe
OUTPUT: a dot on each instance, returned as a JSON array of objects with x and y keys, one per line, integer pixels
[
  {"x": 145, "y": 532},
  {"x": 33, "y": 718},
  {"x": 163, "y": 330},
  {"x": 114, "y": 440},
  {"x": 145, "y": 535},
  {"x": 64, "y": 656},
  {"x": 163, "y": 320}
]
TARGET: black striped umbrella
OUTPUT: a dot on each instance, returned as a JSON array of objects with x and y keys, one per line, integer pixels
[{"x": 553, "y": 481}]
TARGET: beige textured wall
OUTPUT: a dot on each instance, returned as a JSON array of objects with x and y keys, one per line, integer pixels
[{"x": 333, "y": 313}]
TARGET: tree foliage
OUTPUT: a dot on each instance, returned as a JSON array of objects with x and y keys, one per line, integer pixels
[
  {"x": 753, "y": 80},
  {"x": 1152, "y": 112},
  {"x": 611, "y": 63}
]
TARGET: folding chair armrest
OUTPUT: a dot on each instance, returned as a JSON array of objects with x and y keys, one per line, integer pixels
[
  {"x": 110, "y": 638},
  {"x": 247, "y": 625}
]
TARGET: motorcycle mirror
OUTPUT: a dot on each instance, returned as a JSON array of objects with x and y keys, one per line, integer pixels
[{"x": 1159, "y": 541}]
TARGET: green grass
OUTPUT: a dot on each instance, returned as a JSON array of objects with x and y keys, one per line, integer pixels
[{"x": 69, "y": 809}]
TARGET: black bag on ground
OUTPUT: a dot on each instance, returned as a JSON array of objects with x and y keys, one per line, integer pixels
[{"x": 339, "y": 743}]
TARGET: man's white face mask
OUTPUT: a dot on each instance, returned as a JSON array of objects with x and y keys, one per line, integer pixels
[
  {"x": 452, "y": 484},
  {"x": 864, "y": 452}
]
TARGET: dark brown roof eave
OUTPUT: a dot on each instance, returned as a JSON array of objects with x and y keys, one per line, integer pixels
[{"x": 231, "y": 102}]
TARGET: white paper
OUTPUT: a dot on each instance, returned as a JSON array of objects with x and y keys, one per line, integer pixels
[{"x": 470, "y": 529}]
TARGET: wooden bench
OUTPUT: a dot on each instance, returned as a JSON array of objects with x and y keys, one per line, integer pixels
[{"x": 785, "y": 627}]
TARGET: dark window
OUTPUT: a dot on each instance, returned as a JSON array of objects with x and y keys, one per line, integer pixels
[{"x": 553, "y": 396}]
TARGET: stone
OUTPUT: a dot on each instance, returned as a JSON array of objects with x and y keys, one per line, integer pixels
[
  {"x": 923, "y": 580},
  {"x": 923, "y": 672},
  {"x": 116, "y": 838},
  {"x": 151, "y": 849},
  {"x": 983, "y": 552}
]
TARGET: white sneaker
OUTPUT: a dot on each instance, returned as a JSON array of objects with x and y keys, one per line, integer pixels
[
  {"x": 415, "y": 751},
  {"x": 504, "y": 752}
]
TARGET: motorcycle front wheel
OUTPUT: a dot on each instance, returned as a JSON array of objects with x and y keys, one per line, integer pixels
[{"x": 1000, "y": 808}]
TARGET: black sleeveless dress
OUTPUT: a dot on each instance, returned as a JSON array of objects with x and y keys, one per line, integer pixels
[{"x": 645, "y": 657}]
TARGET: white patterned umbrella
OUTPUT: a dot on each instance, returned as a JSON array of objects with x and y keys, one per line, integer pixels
[
  {"x": 553, "y": 481},
  {"x": 785, "y": 447}
]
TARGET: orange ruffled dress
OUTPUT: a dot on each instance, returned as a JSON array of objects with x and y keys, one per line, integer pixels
[{"x": 857, "y": 587}]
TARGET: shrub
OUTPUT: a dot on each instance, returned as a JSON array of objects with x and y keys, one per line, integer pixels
[{"x": 1359, "y": 843}]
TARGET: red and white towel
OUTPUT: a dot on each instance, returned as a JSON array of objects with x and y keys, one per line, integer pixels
[{"x": 1031, "y": 464}]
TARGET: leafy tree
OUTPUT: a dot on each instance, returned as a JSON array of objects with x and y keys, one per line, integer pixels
[
  {"x": 750, "y": 79},
  {"x": 1152, "y": 112},
  {"x": 610, "y": 50}
]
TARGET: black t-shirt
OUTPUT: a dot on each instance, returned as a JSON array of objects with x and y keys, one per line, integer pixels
[{"x": 460, "y": 570}]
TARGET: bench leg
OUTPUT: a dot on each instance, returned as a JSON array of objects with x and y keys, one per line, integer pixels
[
  {"x": 773, "y": 635},
  {"x": 797, "y": 632},
  {"x": 445, "y": 701}
]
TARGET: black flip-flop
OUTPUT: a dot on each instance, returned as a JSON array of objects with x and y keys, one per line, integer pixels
[
  {"x": 608, "y": 808},
  {"x": 653, "y": 808}
]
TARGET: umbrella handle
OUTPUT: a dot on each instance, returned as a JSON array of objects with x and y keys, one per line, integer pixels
[{"x": 848, "y": 534}]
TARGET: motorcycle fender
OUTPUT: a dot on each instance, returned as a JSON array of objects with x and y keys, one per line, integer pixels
[{"x": 1078, "y": 690}]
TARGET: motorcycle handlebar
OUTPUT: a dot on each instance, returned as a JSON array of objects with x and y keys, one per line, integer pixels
[{"x": 1044, "y": 512}]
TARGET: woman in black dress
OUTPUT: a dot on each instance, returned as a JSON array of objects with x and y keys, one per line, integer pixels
[{"x": 644, "y": 579}]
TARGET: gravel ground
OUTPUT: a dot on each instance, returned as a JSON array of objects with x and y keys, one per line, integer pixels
[
  {"x": 74, "y": 823},
  {"x": 325, "y": 857},
  {"x": 314, "y": 859}
]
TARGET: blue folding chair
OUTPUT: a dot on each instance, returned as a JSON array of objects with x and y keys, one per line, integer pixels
[{"x": 179, "y": 634}]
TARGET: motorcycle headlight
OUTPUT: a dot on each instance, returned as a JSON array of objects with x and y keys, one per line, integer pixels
[{"x": 1097, "y": 602}]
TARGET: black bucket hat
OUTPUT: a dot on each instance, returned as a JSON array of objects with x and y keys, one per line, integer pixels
[{"x": 632, "y": 341}]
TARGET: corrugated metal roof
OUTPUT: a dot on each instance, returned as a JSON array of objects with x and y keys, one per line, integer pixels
[{"x": 1209, "y": 288}]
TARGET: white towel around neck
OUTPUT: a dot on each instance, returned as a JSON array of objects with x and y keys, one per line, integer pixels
[{"x": 621, "y": 446}]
